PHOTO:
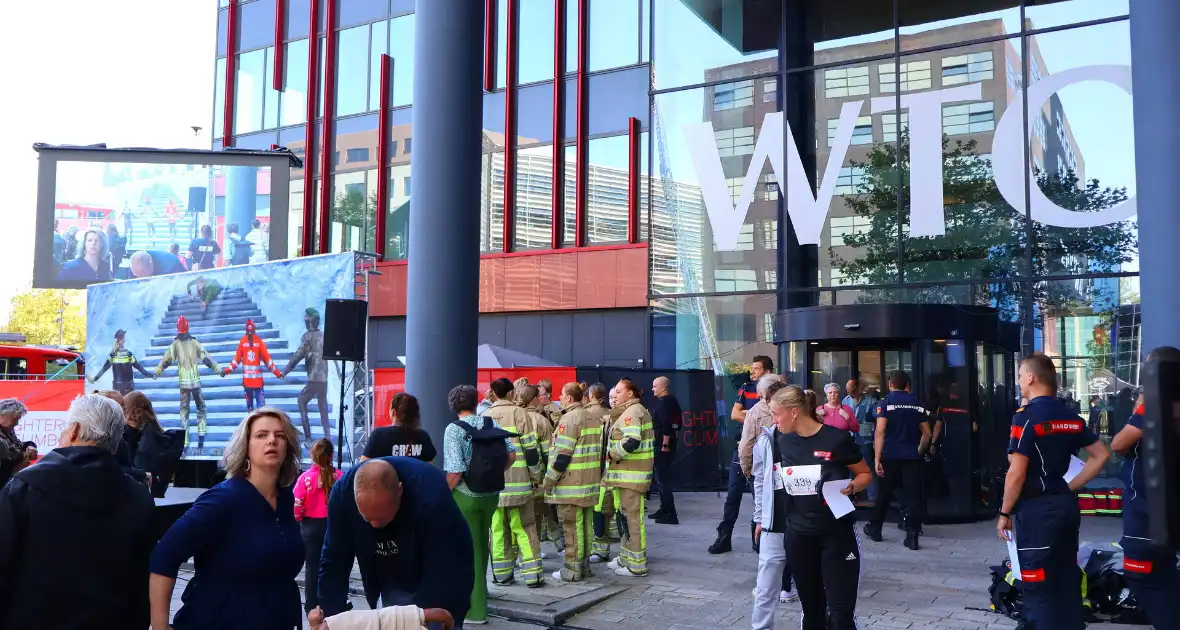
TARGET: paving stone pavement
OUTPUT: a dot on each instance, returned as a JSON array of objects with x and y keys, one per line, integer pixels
[
  {"x": 930, "y": 588},
  {"x": 940, "y": 586}
]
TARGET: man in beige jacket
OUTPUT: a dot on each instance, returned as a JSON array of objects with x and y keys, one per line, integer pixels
[{"x": 757, "y": 417}]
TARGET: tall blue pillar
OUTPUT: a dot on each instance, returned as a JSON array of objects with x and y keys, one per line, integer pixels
[
  {"x": 442, "y": 295},
  {"x": 1154, "y": 49},
  {"x": 241, "y": 198}
]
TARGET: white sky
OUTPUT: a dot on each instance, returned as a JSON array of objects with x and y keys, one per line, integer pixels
[{"x": 127, "y": 73}]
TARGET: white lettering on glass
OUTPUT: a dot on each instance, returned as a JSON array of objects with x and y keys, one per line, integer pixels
[{"x": 809, "y": 212}]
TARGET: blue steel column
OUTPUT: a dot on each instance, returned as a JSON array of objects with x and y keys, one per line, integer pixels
[
  {"x": 442, "y": 295},
  {"x": 1154, "y": 49},
  {"x": 241, "y": 195}
]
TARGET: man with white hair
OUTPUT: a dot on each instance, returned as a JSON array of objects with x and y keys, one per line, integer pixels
[{"x": 75, "y": 529}]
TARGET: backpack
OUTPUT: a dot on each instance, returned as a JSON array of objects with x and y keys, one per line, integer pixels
[
  {"x": 240, "y": 254},
  {"x": 489, "y": 456}
]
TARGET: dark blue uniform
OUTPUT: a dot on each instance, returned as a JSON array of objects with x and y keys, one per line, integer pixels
[
  {"x": 1150, "y": 571},
  {"x": 900, "y": 458},
  {"x": 1046, "y": 520},
  {"x": 747, "y": 397}
]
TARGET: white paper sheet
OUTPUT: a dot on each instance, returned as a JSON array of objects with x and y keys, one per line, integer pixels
[
  {"x": 840, "y": 504},
  {"x": 1075, "y": 468},
  {"x": 1013, "y": 555}
]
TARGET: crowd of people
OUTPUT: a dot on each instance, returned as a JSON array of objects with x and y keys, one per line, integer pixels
[
  {"x": 97, "y": 254},
  {"x": 518, "y": 466}
]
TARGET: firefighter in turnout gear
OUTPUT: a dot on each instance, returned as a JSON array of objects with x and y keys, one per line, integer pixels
[
  {"x": 252, "y": 355},
  {"x": 514, "y": 526},
  {"x": 632, "y": 460},
  {"x": 188, "y": 353},
  {"x": 606, "y": 521},
  {"x": 121, "y": 363},
  {"x": 526, "y": 396},
  {"x": 571, "y": 483}
]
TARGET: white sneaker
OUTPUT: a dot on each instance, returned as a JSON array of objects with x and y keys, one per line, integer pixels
[
  {"x": 556, "y": 575},
  {"x": 787, "y": 597},
  {"x": 616, "y": 564},
  {"x": 596, "y": 559},
  {"x": 479, "y": 622},
  {"x": 625, "y": 572}
]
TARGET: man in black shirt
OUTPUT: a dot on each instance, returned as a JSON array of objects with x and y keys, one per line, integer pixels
[
  {"x": 903, "y": 435},
  {"x": 666, "y": 422},
  {"x": 204, "y": 251}
]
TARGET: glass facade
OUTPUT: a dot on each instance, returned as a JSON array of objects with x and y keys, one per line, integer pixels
[{"x": 913, "y": 157}]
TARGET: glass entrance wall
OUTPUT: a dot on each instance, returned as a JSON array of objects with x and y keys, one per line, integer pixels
[{"x": 943, "y": 145}]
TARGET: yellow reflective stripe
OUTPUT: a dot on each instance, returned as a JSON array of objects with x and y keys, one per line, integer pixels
[{"x": 582, "y": 466}]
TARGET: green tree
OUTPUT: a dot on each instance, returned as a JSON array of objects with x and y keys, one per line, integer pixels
[
  {"x": 354, "y": 209},
  {"x": 986, "y": 240},
  {"x": 49, "y": 317}
]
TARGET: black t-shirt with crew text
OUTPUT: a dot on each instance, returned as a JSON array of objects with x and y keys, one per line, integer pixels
[
  {"x": 831, "y": 451},
  {"x": 396, "y": 441}
]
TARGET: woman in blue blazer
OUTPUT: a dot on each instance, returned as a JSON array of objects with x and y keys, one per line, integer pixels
[{"x": 242, "y": 536}]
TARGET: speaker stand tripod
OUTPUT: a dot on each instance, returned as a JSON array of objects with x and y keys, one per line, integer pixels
[{"x": 340, "y": 419}]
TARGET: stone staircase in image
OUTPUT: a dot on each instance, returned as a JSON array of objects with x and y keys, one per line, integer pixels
[{"x": 219, "y": 329}]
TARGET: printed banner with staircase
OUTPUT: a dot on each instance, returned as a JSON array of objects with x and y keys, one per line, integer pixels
[{"x": 175, "y": 338}]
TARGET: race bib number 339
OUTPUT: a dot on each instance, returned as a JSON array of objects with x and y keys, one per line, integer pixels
[{"x": 801, "y": 480}]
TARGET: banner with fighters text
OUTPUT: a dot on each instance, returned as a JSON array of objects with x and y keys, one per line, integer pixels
[
  {"x": 48, "y": 402},
  {"x": 696, "y": 460}
]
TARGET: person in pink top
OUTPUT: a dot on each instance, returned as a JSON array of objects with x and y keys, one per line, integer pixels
[
  {"x": 311, "y": 510},
  {"x": 835, "y": 414}
]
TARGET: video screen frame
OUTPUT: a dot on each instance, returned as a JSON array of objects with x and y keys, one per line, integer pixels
[{"x": 278, "y": 161}]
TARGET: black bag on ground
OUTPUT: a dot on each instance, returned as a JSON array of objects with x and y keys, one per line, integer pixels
[
  {"x": 1004, "y": 592},
  {"x": 489, "y": 456}
]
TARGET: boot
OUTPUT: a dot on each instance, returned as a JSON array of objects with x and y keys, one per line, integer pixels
[
  {"x": 723, "y": 544},
  {"x": 668, "y": 518},
  {"x": 658, "y": 514},
  {"x": 873, "y": 532},
  {"x": 200, "y": 442},
  {"x": 911, "y": 540}
]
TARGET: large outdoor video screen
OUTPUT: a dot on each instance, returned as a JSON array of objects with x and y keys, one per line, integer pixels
[
  {"x": 108, "y": 215},
  {"x": 207, "y": 346}
]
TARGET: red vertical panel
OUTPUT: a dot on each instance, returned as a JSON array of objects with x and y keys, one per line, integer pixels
[
  {"x": 489, "y": 45},
  {"x": 581, "y": 133},
  {"x": 231, "y": 72},
  {"x": 558, "y": 174},
  {"x": 313, "y": 75},
  {"x": 280, "y": 50},
  {"x": 633, "y": 180},
  {"x": 510, "y": 126},
  {"x": 383, "y": 155},
  {"x": 326, "y": 143}
]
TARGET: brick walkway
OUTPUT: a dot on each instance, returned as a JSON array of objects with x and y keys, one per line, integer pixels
[{"x": 688, "y": 588}]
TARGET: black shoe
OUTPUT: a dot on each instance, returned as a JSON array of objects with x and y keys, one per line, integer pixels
[
  {"x": 668, "y": 519},
  {"x": 874, "y": 533},
  {"x": 911, "y": 541},
  {"x": 658, "y": 514},
  {"x": 722, "y": 544},
  {"x": 200, "y": 442}
]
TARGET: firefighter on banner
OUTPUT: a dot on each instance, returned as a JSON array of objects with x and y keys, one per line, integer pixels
[
  {"x": 571, "y": 482},
  {"x": 252, "y": 355},
  {"x": 632, "y": 460},
  {"x": 188, "y": 353},
  {"x": 121, "y": 362}
]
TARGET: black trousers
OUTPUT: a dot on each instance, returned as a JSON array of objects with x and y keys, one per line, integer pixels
[
  {"x": 826, "y": 569},
  {"x": 663, "y": 472},
  {"x": 312, "y": 530},
  {"x": 907, "y": 473}
]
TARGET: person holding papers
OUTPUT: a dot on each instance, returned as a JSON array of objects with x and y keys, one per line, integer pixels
[
  {"x": 805, "y": 472},
  {"x": 1039, "y": 503}
]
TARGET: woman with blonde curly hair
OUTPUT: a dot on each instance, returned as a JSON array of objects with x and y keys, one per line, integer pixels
[{"x": 242, "y": 536}]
